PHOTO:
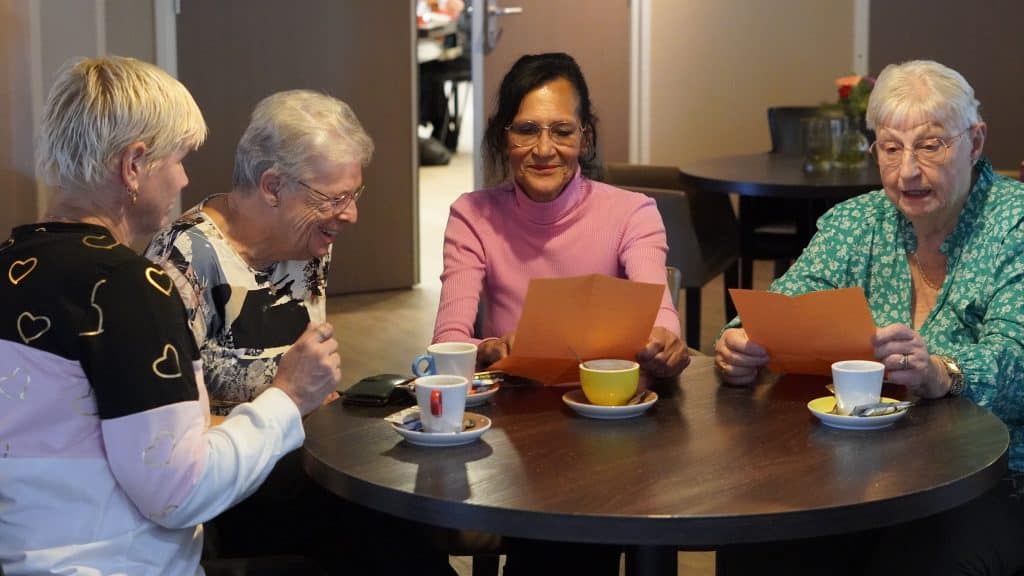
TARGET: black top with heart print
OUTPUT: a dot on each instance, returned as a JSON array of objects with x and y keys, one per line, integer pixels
[{"x": 73, "y": 291}]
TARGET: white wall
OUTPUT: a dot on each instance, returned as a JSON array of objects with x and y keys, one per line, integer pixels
[{"x": 716, "y": 66}]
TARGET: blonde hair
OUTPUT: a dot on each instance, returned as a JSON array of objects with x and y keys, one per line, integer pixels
[
  {"x": 290, "y": 129},
  {"x": 925, "y": 90},
  {"x": 99, "y": 106}
]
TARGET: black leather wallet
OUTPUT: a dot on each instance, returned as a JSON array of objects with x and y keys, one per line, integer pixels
[{"x": 379, "y": 390}]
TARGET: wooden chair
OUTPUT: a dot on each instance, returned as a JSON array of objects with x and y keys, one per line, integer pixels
[
  {"x": 700, "y": 228},
  {"x": 485, "y": 548}
]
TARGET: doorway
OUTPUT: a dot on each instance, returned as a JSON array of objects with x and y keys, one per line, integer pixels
[{"x": 445, "y": 129}]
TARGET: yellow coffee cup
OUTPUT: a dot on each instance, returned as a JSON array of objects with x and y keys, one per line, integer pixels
[{"x": 609, "y": 382}]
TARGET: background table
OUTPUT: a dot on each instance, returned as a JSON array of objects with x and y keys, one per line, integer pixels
[
  {"x": 707, "y": 466},
  {"x": 769, "y": 175}
]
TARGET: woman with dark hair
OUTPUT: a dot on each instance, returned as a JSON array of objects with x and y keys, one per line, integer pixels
[{"x": 550, "y": 220}]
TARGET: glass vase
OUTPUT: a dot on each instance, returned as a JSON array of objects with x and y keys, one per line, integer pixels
[{"x": 853, "y": 145}]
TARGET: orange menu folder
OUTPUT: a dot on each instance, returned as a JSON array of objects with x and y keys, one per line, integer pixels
[
  {"x": 566, "y": 320},
  {"x": 805, "y": 334}
]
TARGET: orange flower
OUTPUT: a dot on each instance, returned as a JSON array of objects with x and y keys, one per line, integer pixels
[{"x": 850, "y": 81}]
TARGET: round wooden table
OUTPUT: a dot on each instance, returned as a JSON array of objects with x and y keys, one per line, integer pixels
[
  {"x": 707, "y": 466},
  {"x": 778, "y": 176}
]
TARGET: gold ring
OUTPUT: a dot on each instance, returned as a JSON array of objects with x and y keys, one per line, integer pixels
[{"x": 903, "y": 361}]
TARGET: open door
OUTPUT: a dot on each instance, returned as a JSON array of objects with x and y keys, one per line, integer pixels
[
  {"x": 596, "y": 33},
  {"x": 232, "y": 53}
]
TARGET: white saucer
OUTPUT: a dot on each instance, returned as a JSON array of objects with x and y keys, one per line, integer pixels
[
  {"x": 481, "y": 396},
  {"x": 578, "y": 402},
  {"x": 481, "y": 424},
  {"x": 822, "y": 408}
]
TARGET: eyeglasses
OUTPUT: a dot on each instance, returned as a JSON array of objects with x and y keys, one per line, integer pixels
[
  {"x": 527, "y": 134},
  {"x": 333, "y": 205},
  {"x": 927, "y": 152}
]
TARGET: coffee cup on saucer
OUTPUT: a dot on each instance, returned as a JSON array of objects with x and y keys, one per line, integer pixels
[
  {"x": 609, "y": 382},
  {"x": 442, "y": 402},
  {"x": 857, "y": 382},
  {"x": 456, "y": 358}
]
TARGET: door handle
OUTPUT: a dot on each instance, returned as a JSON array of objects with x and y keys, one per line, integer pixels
[
  {"x": 492, "y": 31},
  {"x": 504, "y": 11}
]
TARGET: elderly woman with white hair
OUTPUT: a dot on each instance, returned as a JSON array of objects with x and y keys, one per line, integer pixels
[
  {"x": 252, "y": 263},
  {"x": 940, "y": 255},
  {"x": 108, "y": 461}
]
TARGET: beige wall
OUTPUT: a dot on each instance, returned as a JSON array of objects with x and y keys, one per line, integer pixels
[
  {"x": 129, "y": 29},
  {"x": 17, "y": 181},
  {"x": 717, "y": 66},
  {"x": 36, "y": 38}
]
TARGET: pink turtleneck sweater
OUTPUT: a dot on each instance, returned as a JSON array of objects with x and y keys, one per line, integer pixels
[{"x": 498, "y": 239}]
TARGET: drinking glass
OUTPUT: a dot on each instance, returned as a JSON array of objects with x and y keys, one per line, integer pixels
[{"x": 817, "y": 140}]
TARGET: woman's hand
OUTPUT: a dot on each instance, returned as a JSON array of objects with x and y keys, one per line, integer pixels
[
  {"x": 737, "y": 358},
  {"x": 311, "y": 369},
  {"x": 490, "y": 350},
  {"x": 665, "y": 355},
  {"x": 907, "y": 362}
]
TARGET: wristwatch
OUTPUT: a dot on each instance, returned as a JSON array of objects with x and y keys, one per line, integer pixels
[{"x": 956, "y": 376}]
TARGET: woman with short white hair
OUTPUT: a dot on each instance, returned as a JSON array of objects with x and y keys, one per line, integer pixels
[
  {"x": 939, "y": 253},
  {"x": 252, "y": 263}
]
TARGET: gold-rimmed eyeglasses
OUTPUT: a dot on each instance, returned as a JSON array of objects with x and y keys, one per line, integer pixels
[
  {"x": 333, "y": 204},
  {"x": 927, "y": 152},
  {"x": 527, "y": 134}
]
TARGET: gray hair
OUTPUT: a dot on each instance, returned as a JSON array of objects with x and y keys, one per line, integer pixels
[
  {"x": 289, "y": 130},
  {"x": 922, "y": 89},
  {"x": 99, "y": 106}
]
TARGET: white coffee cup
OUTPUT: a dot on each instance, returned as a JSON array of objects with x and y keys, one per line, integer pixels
[
  {"x": 857, "y": 382},
  {"x": 458, "y": 358},
  {"x": 442, "y": 402}
]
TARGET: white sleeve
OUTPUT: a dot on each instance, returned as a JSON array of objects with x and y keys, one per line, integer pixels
[{"x": 242, "y": 451}]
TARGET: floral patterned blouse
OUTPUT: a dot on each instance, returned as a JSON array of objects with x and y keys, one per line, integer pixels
[
  {"x": 978, "y": 318},
  {"x": 243, "y": 320}
]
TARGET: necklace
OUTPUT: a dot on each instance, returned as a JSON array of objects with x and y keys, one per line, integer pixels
[{"x": 920, "y": 270}]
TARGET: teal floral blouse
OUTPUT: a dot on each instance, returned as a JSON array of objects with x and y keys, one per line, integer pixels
[{"x": 978, "y": 318}]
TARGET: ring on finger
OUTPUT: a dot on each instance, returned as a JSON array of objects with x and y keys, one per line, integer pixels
[{"x": 904, "y": 360}]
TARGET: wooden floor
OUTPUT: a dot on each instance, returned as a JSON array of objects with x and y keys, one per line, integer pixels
[{"x": 381, "y": 332}]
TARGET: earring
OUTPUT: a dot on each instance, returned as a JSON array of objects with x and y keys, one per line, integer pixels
[{"x": 132, "y": 195}]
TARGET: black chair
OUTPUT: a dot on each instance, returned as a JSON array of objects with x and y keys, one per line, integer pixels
[
  {"x": 701, "y": 232},
  {"x": 777, "y": 229},
  {"x": 784, "y": 128}
]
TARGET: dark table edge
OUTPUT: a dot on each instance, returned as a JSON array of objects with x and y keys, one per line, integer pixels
[
  {"x": 680, "y": 532},
  {"x": 801, "y": 191}
]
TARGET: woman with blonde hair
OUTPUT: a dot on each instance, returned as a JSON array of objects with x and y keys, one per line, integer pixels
[{"x": 103, "y": 412}]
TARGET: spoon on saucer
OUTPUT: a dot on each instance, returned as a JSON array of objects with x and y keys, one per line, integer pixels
[
  {"x": 835, "y": 408},
  {"x": 637, "y": 398},
  {"x": 875, "y": 409}
]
